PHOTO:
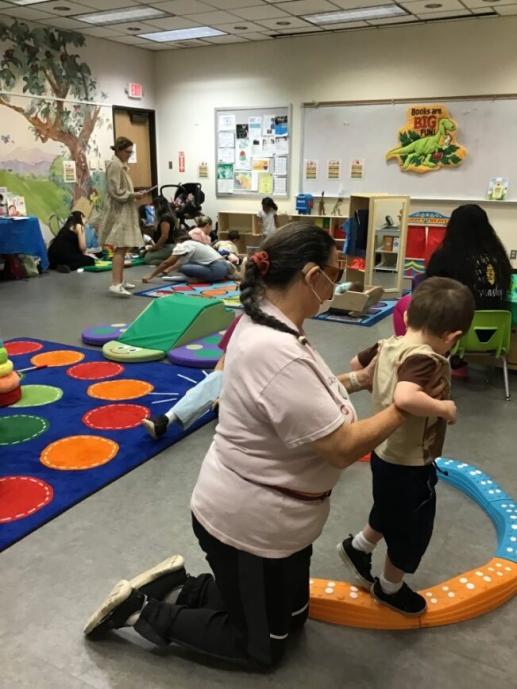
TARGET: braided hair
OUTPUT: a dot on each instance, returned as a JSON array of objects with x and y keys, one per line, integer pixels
[{"x": 288, "y": 251}]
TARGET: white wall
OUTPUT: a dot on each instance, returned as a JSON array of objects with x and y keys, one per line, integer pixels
[{"x": 441, "y": 59}]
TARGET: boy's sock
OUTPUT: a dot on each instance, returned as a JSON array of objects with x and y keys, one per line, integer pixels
[
  {"x": 360, "y": 542},
  {"x": 389, "y": 587}
]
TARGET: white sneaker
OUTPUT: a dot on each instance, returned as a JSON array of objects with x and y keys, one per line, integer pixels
[
  {"x": 128, "y": 285},
  {"x": 119, "y": 291}
]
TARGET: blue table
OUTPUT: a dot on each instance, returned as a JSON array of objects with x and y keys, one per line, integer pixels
[{"x": 23, "y": 236}]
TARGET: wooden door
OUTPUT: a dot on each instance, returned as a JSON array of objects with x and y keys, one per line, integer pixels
[{"x": 138, "y": 125}]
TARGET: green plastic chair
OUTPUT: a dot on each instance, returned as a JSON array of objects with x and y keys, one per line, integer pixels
[{"x": 489, "y": 333}]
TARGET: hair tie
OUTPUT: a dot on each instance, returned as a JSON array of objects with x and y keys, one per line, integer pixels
[
  {"x": 303, "y": 340},
  {"x": 261, "y": 260}
]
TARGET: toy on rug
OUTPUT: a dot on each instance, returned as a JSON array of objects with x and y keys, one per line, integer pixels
[
  {"x": 10, "y": 387},
  {"x": 167, "y": 323}
]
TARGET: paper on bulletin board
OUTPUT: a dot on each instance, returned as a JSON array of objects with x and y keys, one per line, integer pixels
[
  {"x": 226, "y": 123},
  {"x": 268, "y": 146},
  {"x": 279, "y": 185},
  {"x": 357, "y": 169},
  {"x": 260, "y": 164},
  {"x": 268, "y": 125},
  {"x": 256, "y": 146},
  {"x": 224, "y": 178},
  {"x": 243, "y": 155},
  {"x": 310, "y": 169},
  {"x": 242, "y": 181},
  {"x": 69, "y": 172},
  {"x": 280, "y": 165},
  {"x": 281, "y": 125},
  {"x": 225, "y": 155},
  {"x": 265, "y": 184},
  {"x": 242, "y": 131},
  {"x": 281, "y": 145},
  {"x": 254, "y": 126},
  {"x": 226, "y": 140},
  {"x": 498, "y": 188}
]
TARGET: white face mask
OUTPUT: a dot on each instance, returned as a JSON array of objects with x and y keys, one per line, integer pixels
[{"x": 324, "y": 302}]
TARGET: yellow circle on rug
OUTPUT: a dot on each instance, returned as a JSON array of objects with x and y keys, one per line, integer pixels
[
  {"x": 125, "y": 389},
  {"x": 79, "y": 452},
  {"x": 59, "y": 357}
]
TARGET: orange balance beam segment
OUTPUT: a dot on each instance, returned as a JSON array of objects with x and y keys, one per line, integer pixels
[{"x": 463, "y": 597}]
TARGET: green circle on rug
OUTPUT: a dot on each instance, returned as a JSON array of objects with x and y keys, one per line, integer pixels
[
  {"x": 38, "y": 395},
  {"x": 20, "y": 428}
]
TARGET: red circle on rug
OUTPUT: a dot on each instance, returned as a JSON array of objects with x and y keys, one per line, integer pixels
[
  {"x": 116, "y": 417},
  {"x": 21, "y": 496},
  {"x": 95, "y": 370},
  {"x": 22, "y": 347}
]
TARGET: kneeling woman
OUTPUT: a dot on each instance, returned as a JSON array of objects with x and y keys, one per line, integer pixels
[
  {"x": 196, "y": 261},
  {"x": 286, "y": 430},
  {"x": 67, "y": 250}
]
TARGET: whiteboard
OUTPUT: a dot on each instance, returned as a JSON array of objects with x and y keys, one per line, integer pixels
[
  {"x": 274, "y": 151},
  {"x": 487, "y": 127}
]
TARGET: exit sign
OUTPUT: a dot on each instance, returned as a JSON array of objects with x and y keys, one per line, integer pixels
[{"x": 135, "y": 90}]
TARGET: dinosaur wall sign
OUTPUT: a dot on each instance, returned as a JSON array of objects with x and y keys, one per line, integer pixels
[{"x": 427, "y": 141}]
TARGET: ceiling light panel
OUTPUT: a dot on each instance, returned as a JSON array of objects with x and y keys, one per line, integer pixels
[
  {"x": 182, "y": 34},
  {"x": 128, "y": 14},
  {"x": 359, "y": 14}
]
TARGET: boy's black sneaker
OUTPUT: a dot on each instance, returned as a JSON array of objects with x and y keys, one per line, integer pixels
[
  {"x": 405, "y": 600},
  {"x": 156, "y": 426},
  {"x": 358, "y": 562}
]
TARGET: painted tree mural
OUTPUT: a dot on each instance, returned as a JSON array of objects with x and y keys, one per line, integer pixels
[{"x": 43, "y": 59}]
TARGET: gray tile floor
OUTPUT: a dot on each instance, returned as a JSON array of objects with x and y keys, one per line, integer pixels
[{"x": 51, "y": 580}]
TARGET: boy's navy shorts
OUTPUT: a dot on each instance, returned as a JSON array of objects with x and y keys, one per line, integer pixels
[{"x": 404, "y": 505}]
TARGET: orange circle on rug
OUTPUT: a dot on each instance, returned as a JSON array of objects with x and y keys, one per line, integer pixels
[
  {"x": 22, "y": 496},
  {"x": 214, "y": 292},
  {"x": 95, "y": 370},
  {"x": 125, "y": 389},
  {"x": 22, "y": 347},
  {"x": 116, "y": 417},
  {"x": 59, "y": 357},
  {"x": 79, "y": 452}
]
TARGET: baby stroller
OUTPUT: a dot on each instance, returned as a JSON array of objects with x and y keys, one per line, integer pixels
[{"x": 187, "y": 201}]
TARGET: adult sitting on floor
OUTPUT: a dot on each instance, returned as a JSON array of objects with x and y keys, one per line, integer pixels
[
  {"x": 164, "y": 234},
  {"x": 194, "y": 261},
  {"x": 67, "y": 251},
  {"x": 286, "y": 430}
]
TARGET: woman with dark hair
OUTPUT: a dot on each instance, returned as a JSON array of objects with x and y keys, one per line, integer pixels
[
  {"x": 286, "y": 430},
  {"x": 119, "y": 225},
  {"x": 66, "y": 251},
  {"x": 473, "y": 254},
  {"x": 164, "y": 235}
]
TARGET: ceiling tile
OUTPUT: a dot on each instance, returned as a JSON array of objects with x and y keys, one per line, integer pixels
[
  {"x": 64, "y": 23},
  {"x": 101, "y": 31},
  {"x": 27, "y": 13},
  {"x": 506, "y": 10},
  {"x": 241, "y": 26},
  {"x": 285, "y": 30},
  {"x": 182, "y": 6},
  {"x": 308, "y": 6},
  {"x": 210, "y": 18},
  {"x": 487, "y": 6},
  {"x": 191, "y": 43},
  {"x": 74, "y": 8},
  {"x": 444, "y": 15},
  {"x": 234, "y": 4},
  {"x": 5, "y": 5},
  {"x": 344, "y": 25},
  {"x": 261, "y": 12},
  {"x": 226, "y": 39},
  {"x": 131, "y": 40},
  {"x": 144, "y": 27},
  {"x": 171, "y": 23},
  {"x": 420, "y": 6},
  {"x": 258, "y": 36},
  {"x": 294, "y": 23},
  {"x": 484, "y": 10}
]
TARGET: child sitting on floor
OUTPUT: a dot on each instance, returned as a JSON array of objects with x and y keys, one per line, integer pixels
[
  {"x": 228, "y": 248},
  {"x": 202, "y": 231},
  {"x": 413, "y": 372}
]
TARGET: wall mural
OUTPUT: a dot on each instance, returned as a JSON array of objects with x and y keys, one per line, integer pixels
[{"x": 55, "y": 117}]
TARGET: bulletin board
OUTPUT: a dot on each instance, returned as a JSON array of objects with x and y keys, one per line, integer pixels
[
  {"x": 344, "y": 147},
  {"x": 252, "y": 151}
]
